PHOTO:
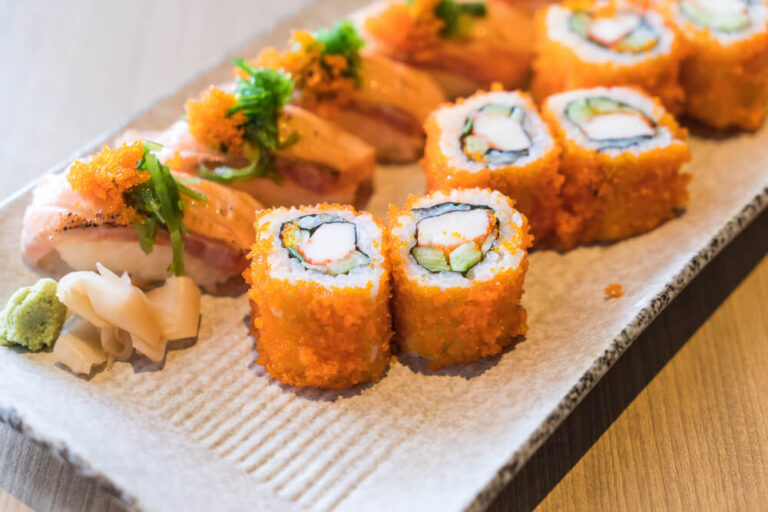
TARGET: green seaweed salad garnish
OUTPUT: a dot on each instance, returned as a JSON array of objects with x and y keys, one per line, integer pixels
[
  {"x": 261, "y": 95},
  {"x": 158, "y": 203}
]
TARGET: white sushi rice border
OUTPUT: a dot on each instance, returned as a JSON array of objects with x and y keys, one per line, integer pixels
[
  {"x": 559, "y": 30},
  {"x": 282, "y": 266},
  {"x": 632, "y": 97},
  {"x": 758, "y": 14},
  {"x": 496, "y": 259},
  {"x": 451, "y": 121}
]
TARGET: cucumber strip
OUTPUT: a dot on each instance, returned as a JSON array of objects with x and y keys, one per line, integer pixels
[
  {"x": 355, "y": 259},
  {"x": 465, "y": 257},
  {"x": 430, "y": 258}
]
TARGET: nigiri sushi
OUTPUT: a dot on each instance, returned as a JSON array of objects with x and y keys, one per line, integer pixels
[
  {"x": 124, "y": 209},
  {"x": 465, "y": 46},
  {"x": 383, "y": 102},
  {"x": 250, "y": 137}
]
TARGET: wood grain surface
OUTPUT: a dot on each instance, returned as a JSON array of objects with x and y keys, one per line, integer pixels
[{"x": 679, "y": 423}]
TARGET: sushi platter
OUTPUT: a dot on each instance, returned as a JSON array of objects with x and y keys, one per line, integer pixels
[{"x": 240, "y": 411}]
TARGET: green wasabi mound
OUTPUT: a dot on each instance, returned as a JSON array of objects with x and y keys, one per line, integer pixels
[{"x": 33, "y": 317}]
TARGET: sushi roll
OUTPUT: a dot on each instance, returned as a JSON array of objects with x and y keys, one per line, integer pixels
[
  {"x": 622, "y": 160},
  {"x": 381, "y": 101},
  {"x": 458, "y": 262},
  {"x": 320, "y": 296},
  {"x": 465, "y": 46},
  {"x": 586, "y": 43},
  {"x": 249, "y": 136},
  {"x": 125, "y": 210},
  {"x": 497, "y": 140},
  {"x": 725, "y": 71}
]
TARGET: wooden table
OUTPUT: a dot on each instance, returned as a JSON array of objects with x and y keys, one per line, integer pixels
[{"x": 680, "y": 423}]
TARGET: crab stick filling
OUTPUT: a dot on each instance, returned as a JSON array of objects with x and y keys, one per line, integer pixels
[
  {"x": 455, "y": 238},
  {"x": 495, "y": 134},
  {"x": 325, "y": 243},
  {"x": 609, "y": 121},
  {"x": 618, "y": 31}
]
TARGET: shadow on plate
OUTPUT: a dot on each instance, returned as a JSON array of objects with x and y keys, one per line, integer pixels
[
  {"x": 634, "y": 370},
  {"x": 420, "y": 365}
]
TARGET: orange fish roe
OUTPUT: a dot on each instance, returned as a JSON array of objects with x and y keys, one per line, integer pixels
[
  {"x": 455, "y": 324},
  {"x": 319, "y": 78},
  {"x": 180, "y": 163},
  {"x": 310, "y": 332},
  {"x": 407, "y": 26},
  {"x": 611, "y": 197},
  {"x": 107, "y": 176},
  {"x": 210, "y": 122},
  {"x": 534, "y": 186},
  {"x": 614, "y": 291}
]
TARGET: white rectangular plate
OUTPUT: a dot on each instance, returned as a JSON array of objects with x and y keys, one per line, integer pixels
[{"x": 209, "y": 431}]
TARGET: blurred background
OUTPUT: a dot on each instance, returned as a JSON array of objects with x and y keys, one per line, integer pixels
[{"x": 71, "y": 70}]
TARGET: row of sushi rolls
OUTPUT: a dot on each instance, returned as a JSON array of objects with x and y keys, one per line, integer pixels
[{"x": 265, "y": 178}]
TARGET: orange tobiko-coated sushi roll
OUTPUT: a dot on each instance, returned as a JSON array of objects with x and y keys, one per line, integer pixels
[
  {"x": 725, "y": 72},
  {"x": 497, "y": 140},
  {"x": 458, "y": 263},
  {"x": 589, "y": 43},
  {"x": 320, "y": 289},
  {"x": 622, "y": 160}
]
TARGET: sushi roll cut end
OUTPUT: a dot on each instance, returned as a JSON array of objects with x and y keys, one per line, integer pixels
[
  {"x": 459, "y": 261},
  {"x": 497, "y": 140},
  {"x": 319, "y": 294},
  {"x": 622, "y": 162}
]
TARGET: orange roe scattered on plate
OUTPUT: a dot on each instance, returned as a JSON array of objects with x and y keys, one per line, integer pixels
[
  {"x": 319, "y": 77},
  {"x": 210, "y": 121},
  {"x": 407, "y": 26},
  {"x": 614, "y": 291},
  {"x": 107, "y": 176}
]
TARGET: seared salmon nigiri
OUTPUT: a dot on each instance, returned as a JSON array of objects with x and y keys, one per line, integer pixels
[
  {"x": 252, "y": 139},
  {"x": 383, "y": 102},
  {"x": 465, "y": 46},
  {"x": 124, "y": 209}
]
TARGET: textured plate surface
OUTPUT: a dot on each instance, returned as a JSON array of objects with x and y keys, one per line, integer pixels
[{"x": 211, "y": 431}]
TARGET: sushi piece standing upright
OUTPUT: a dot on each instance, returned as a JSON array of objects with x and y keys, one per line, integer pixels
[
  {"x": 381, "y": 101},
  {"x": 622, "y": 160},
  {"x": 725, "y": 72},
  {"x": 465, "y": 46},
  {"x": 588, "y": 43},
  {"x": 249, "y": 136},
  {"x": 458, "y": 263},
  {"x": 497, "y": 140},
  {"x": 320, "y": 296},
  {"x": 125, "y": 210}
]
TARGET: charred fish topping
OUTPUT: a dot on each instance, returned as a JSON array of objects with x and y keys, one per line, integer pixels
[
  {"x": 719, "y": 15},
  {"x": 454, "y": 237},
  {"x": 611, "y": 124},
  {"x": 495, "y": 134},
  {"x": 324, "y": 243},
  {"x": 623, "y": 32}
]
